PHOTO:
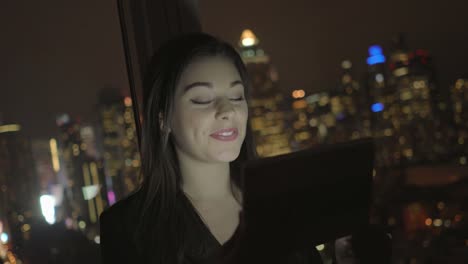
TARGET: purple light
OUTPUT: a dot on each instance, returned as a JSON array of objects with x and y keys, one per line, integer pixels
[{"x": 111, "y": 197}]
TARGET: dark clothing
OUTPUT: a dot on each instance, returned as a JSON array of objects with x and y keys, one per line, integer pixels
[{"x": 118, "y": 225}]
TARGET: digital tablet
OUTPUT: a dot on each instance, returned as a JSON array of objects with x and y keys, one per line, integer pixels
[{"x": 311, "y": 196}]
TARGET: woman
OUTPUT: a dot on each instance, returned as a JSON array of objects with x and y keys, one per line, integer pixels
[{"x": 195, "y": 135}]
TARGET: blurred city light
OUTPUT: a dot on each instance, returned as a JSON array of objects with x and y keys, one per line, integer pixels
[
  {"x": 428, "y": 222},
  {"x": 111, "y": 197},
  {"x": 320, "y": 247},
  {"x": 377, "y": 107},
  {"x": 375, "y": 55},
  {"x": 89, "y": 192},
  {"x": 10, "y": 128},
  {"x": 346, "y": 64},
  {"x": 298, "y": 94},
  {"x": 82, "y": 225},
  {"x": 54, "y": 154},
  {"x": 4, "y": 238},
  {"x": 48, "y": 208},
  {"x": 437, "y": 222},
  {"x": 248, "y": 38},
  {"x": 128, "y": 101}
]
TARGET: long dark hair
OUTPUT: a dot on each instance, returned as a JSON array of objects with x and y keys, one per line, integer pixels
[{"x": 161, "y": 233}]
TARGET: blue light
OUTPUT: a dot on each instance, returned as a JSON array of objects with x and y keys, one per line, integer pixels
[
  {"x": 375, "y": 55},
  {"x": 376, "y": 59},
  {"x": 377, "y": 107},
  {"x": 4, "y": 238},
  {"x": 375, "y": 50}
]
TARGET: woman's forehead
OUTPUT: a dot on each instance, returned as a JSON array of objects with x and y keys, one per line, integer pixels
[{"x": 216, "y": 69}]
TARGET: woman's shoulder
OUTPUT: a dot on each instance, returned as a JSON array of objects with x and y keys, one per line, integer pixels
[
  {"x": 117, "y": 229},
  {"x": 125, "y": 211}
]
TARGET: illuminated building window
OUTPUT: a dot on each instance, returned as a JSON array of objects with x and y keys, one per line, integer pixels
[
  {"x": 379, "y": 77},
  {"x": 388, "y": 132},
  {"x": 324, "y": 100},
  {"x": 299, "y": 104},
  {"x": 400, "y": 71},
  {"x": 408, "y": 153},
  {"x": 313, "y": 122},
  {"x": 406, "y": 95},
  {"x": 463, "y": 160},
  {"x": 76, "y": 150},
  {"x": 459, "y": 84},
  {"x": 330, "y": 120},
  {"x": 406, "y": 109}
]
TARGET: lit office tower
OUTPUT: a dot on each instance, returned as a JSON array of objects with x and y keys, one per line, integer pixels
[
  {"x": 89, "y": 144},
  {"x": 19, "y": 195},
  {"x": 321, "y": 120},
  {"x": 459, "y": 96},
  {"x": 267, "y": 107},
  {"x": 298, "y": 118},
  {"x": 41, "y": 152},
  {"x": 94, "y": 190},
  {"x": 119, "y": 144},
  {"x": 384, "y": 109},
  {"x": 349, "y": 106},
  {"x": 72, "y": 157},
  {"x": 422, "y": 134}
]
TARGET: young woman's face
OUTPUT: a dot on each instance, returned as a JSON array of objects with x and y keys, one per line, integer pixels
[{"x": 210, "y": 110}]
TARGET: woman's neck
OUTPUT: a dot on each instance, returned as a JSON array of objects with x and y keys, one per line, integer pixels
[{"x": 203, "y": 180}]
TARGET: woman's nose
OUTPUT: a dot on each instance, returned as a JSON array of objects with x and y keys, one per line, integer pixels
[{"x": 225, "y": 109}]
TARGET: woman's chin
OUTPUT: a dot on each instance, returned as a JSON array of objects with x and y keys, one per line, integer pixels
[{"x": 227, "y": 156}]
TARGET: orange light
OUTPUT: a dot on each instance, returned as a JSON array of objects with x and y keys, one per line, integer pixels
[
  {"x": 298, "y": 94},
  {"x": 248, "y": 38},
  {"x": 300, "y": 104},
  {"x": 428, "y": 222},
  {"x": 128, "y": 101}
]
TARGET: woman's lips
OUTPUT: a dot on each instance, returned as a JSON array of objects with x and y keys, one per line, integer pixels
[{"x": 226, "y": 134}]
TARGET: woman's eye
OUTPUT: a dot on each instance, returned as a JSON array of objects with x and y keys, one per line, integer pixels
[
  {"x": 238, "y": 99},
  {"x": 200, "y": 102}
]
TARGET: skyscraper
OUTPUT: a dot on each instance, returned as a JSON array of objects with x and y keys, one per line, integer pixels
[
  {"x": 423, "y": 135},
  {"x": 267, "y": 107},
  {"x": 19, "y": 192},
  {"x": 84, "y": 186},
  {"x": 349, "y": 105},
  {"x": 119, "y": 144},
  {"x": 384, "y": 109},
  {"x": 459, "y": 96}
]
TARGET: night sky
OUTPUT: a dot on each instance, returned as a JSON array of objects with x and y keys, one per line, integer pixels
[{"x": 55, "y": 56}]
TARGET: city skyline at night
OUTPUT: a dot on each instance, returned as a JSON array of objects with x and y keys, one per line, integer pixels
[
  {"x": 320, "y": 74},
  {"x": 69, "y": 61}
]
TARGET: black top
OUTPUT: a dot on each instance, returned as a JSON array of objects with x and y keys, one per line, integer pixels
[{"x": 118, "y": 223}]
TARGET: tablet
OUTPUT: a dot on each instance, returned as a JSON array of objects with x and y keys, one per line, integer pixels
[{"x": 311, "y": 196}]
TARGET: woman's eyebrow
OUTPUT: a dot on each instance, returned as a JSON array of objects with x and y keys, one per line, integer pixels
[
  {"x": 209, "y": 85},
  {"x": 195, "y": 84}
]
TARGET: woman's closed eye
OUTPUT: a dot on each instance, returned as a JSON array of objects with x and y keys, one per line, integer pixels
[{"x": 237, "y": 99}]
